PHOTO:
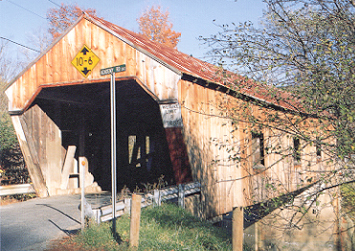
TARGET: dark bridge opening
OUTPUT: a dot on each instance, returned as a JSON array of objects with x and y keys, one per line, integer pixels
[{"x": 142, "y": 148}]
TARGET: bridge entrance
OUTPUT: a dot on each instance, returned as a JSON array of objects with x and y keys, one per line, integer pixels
[{"x": 82, "y": 115}]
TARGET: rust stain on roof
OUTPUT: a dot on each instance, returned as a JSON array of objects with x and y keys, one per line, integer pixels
[{"x": 197, "y": 68}]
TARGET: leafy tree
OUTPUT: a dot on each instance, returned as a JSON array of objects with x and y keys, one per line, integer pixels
[
  {"x": 61, "y": 18},
  {"x": 12, "y": 169},
  {"x": 155, "y": 24}
]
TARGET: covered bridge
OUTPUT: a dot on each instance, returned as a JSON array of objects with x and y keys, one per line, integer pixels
[{"x": 174, "y": 118}]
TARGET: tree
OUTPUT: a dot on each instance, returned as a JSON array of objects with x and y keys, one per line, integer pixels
[
  {"x": 12, "y": 168},
  {"x": 155, "y": 24},
  {"x": 304, "y": 48},
  {"x": 61, "y": 18},
  {"x": 40, "y": 39}
]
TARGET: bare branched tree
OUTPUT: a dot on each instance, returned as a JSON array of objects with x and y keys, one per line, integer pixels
[{"x": 302, "y": 57}]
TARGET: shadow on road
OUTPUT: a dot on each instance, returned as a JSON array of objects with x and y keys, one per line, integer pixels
[
  {"x": 67, "y": 232},
  {"x": 46, "y": 205}
]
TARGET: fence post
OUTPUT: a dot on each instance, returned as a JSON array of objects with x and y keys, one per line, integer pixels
[
  {"x": 237, "y": 228},
  {"x": 97, "y": 215},
  {"x": 82, "y": 163},
  {"x": 156, "y": 198},
  {"x": 135, "y": 220},
  {"x": 127, "y": 205},
  {"x": 181, "y": 197}
]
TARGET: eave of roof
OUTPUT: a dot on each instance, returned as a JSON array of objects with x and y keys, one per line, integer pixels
[
  {"x": 185, "y": 64},
  {"x": 182, "y": 63}
]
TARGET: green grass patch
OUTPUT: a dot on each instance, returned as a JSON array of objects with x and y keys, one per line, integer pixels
[{"x": 162, "y": 228}]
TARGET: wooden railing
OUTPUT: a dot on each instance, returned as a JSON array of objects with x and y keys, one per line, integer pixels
[{"x": 156, "y": 197}]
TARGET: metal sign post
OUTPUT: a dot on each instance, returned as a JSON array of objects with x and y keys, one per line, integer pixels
[
  {"x": 112, "y": 71},
  {"x": 113, "y": 149}
]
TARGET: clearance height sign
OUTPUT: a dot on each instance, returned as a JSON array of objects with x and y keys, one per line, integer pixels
[{"x": 85, "y": 61}]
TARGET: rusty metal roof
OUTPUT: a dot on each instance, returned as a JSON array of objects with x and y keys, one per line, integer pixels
[
  {"x": 172, "y": 57},
  {"x": 182, "y": 63},
  {"x": 185, "y": 64}
]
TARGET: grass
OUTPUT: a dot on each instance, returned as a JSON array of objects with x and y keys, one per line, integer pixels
[{"x": 162, "y": 228}]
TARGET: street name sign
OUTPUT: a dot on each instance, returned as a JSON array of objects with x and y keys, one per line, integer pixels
[{"x": 110, "y": 70}]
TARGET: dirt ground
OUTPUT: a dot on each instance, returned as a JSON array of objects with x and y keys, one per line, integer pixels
[{"x": 6, "y": 200}]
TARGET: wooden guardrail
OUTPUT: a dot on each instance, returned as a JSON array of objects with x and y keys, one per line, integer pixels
[
  {"x": 16, "y": 189},
  {"x": 156, "y": 197}
]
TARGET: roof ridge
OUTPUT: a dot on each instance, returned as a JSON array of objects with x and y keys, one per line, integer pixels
[
  {"x": 141, "y": 39},
  {"x": 198, "y": 68}
]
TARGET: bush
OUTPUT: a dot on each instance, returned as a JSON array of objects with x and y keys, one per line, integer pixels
[{"x": 12, "y": 165}]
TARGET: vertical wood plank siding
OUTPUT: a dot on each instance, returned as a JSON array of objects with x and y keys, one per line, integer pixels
[
  {"x": 30, "y": 156},
  {"x": 212, "y": 142},
  {"x": 46, "y": 146},
  {"x": 54, "y": 68}
]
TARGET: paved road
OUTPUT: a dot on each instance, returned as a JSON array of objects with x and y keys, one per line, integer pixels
[{"x": 31, "y": 225}]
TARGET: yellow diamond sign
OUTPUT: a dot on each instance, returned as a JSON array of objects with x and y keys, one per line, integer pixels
[{"x": 85, "y": 61}]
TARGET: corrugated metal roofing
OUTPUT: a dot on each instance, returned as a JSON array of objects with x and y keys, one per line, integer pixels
[{"x": 186, "y": 64}]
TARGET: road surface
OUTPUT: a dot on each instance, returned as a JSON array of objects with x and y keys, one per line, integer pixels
[{"x": 31, "y": 225}]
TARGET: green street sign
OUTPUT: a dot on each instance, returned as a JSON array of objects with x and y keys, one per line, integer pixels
[{"x": 118, "y": 68}]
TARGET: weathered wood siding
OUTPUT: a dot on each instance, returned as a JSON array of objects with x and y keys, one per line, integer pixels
[
  {"x": 30, "y": 156},
  {"x": 54, "y": 68},
  {"x": 220, "y": 150},
  {"x": 206, "y": 132},
  {"x": 46, "y": 146}
]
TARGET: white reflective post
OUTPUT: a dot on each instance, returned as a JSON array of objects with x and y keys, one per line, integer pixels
[{"x": 82, "y": 187}]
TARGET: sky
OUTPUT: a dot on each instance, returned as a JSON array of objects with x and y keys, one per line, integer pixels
[{"x": 23, "y": 20}]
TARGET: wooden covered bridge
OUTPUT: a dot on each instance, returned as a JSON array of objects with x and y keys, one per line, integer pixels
[{"x": 177, "y": 116}]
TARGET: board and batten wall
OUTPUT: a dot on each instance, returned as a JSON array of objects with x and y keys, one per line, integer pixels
[
  {"x": 40, "y": 137},
  {"x": 220, "y": 151},
  {"x": 54, "y": 67}
]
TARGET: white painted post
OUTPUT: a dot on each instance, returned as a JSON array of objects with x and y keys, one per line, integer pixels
[
  {"x": 127, "y": 205},
  {"x": 82, "y": 186},
  {"x": 156, "y": 198},
  {"x": 97, "y": 215},
  {"x": 181, "y": 197}
]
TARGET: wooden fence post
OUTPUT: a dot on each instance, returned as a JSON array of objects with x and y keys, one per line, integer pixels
[
  {"x": 237, "y": 228},
  {"x": 181, "y": 197},
  {"x": 135, "y": 220}
]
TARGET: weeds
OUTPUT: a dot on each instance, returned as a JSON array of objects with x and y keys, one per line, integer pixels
[{"x": 162, "y": 228}]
